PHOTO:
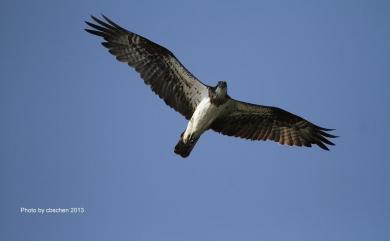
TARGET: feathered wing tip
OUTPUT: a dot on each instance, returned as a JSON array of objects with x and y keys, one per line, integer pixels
[
  {"x": 321, "y": 136},
  {"x": 103, "y": 29}
]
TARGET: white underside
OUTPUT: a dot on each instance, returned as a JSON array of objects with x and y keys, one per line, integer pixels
[{"x": 202, "y": 118}]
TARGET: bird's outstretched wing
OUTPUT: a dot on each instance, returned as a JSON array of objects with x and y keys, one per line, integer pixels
[
  {"x": 157, "y": 66},
  {"x": 256, "y": 122}
]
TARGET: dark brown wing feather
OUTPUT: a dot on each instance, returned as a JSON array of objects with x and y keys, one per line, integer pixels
[
  {"x": 157, "y": 66},
  {"x": 256, "y": 122}
]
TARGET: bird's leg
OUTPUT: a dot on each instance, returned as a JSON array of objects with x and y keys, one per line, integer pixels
[
  {"x": 192, "y": 139},
  {"x": 189, "y": 138}
]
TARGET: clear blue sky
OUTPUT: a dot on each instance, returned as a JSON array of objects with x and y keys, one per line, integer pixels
[{"x": 79, "y": 129}]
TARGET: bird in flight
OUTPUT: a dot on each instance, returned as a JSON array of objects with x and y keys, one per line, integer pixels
[{"x": 206, "y": 107}]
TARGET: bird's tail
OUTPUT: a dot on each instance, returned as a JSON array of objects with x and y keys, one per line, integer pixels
[{"x": 184, "y": 149}]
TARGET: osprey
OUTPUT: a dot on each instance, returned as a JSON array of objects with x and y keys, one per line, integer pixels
[{"x": 205, "y": 107}]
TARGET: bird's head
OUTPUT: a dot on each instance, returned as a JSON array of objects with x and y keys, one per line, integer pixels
[{"x": 221, "y": 89}]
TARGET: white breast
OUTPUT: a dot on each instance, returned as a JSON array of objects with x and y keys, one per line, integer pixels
[{"x": 205, "y": 113}]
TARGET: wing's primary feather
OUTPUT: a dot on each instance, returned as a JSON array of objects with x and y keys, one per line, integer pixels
[
  {"x": 157, "y": 66},
  {"x": 256, "y": 122}
]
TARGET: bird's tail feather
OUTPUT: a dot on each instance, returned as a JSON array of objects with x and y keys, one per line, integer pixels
[{"x": 184, "y": 149}]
